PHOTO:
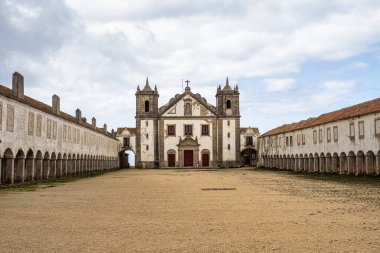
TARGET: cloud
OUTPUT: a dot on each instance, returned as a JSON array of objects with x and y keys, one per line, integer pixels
[
  {"x": 274, "y": 85},
  {"x": 93, "y": 54}
]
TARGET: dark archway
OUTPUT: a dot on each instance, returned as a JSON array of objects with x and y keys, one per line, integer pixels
[
  {"x": 249, "y": 157},
  {"x": 7, "y": 167}
]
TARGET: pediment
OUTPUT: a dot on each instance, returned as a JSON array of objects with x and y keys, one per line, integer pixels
[{"x": 188, "y": 141}]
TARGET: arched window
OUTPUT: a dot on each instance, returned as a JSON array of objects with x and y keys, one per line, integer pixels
[
  {"x": 146, "y": 106},
  {"x": 228, "y": 104}
]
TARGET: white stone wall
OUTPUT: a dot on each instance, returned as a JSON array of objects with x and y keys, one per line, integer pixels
[
  {"x": 52, "y": 138},
  {"x": 344, "y": 143},
  {"x": 171, "y": 142},
  {"x": 147, "y": 139},
  {"x": 229, "y": 127}
]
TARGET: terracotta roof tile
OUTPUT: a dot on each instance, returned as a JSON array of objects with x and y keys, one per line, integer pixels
[{"x": 364, "y": 108}]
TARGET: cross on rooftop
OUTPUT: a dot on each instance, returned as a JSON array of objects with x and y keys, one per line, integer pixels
[{"x": 187, "y": 83}]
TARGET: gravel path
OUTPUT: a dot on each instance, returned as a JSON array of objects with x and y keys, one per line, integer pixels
[{"x": 194, "y": 211}]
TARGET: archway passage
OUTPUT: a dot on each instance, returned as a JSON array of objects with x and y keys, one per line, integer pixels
[
  {"x": 123, "y": 159},
  {"x": 249, "y": 157},
  {"x": 131, "y": 158},
  {"x": 7, "y": 167}
]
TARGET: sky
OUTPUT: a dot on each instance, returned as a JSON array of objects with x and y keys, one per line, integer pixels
[{"x": 291, "y": 59}]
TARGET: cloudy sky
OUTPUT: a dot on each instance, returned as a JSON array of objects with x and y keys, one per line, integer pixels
[{"x": 291, "y": 59}]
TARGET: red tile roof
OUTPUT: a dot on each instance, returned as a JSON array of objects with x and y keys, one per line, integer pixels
[{"x": 368, "y": 107}]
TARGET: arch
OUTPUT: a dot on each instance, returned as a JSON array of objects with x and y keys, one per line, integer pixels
[
  {"x": 146, "y": 105},
  {"x": 19, "y": 167},
  {"x": 360, "y": 163},
  {"x": 38, "y": 166},
  {"x": 351, "y": 163},
  {"x": 205, "y": 158},
  {"x": 335, "y": 164},
  {"x": 46, "y": 165},
  {"x": 343, "y": 163},
  {"x": 322, "y": 162},
  {"x": 228, "y": 104},
  {"x": 29, "y": 165},
  {"x": 7, "y": 165},
  {"x": 370, "y": 163},
  {"x": 328, "y": 163}
]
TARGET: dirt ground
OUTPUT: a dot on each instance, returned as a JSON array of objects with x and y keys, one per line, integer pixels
[{"x": 235, "y": 210}]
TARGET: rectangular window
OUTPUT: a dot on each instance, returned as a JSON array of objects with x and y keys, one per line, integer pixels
[
  {"x": 147, "y": 147},
  {"x": 249, "y": 140},
  {"x": 377, "y": 127},
  {"x": 64, "y": 133},
  {"x": 287, "y": 141},
  {"x": 205, "y": 130},
  {"x": 229, "y": 146},
  {"x": 228, "y": 123},
  {"x": 335, "y": 133},
  {"x": 1, "y": 115},
  {"x": 54, "y": 130},
  {"x": 303, "y": 139},
  {"x": 126, "y": 142},
  {"x": 39, "y": 125},
  {"x": 146, "y": 123},
  {"x": 352, "y": 130},
  {"x": 291, "y": 140},
  {"x": 31, "y": 123},
  {"x": 147, "y": 136},
  {"x": 320, "y": 135},
  {"x": 228, "y": 135},
  {"x": 328, "y": 133},
  {"x": 69, "y": 134},
  {"x": 315, "y": 136},
  {"x": 171, "y": 130},
  {"x": 361, "y": 129},
  {"x": 10, "y": 118},
  {"x": 48, "y": 128},
  {"x": 298, "y": 139},
  {"x": 188, "y": 130}
]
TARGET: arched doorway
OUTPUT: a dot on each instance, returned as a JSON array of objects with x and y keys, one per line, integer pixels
[
  {"x": 131, "y": 158},
  {"x": 7, "y": 167},
  {"x": 249, "y": 157}
]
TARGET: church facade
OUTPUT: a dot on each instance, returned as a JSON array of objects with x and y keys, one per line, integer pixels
[{"x": 188, "y": 131}]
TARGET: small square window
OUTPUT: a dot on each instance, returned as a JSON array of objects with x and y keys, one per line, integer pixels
[
  {"x": 188, "y": 130},
  {"x": 147, "y": 136},
  {"x": 205, "y": 130},
  {"x": 171, "y": 130}
]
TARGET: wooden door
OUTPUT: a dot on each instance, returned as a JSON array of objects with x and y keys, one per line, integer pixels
[
  {"x": 205, "y": 160},
  {"x": 171, "y": 160},
  {"x": 188, "y": 158}
]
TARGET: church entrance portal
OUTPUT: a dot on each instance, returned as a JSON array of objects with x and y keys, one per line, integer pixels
[{"x": 188, "y": 158}]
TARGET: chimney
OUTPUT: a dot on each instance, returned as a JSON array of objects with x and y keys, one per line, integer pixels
[
  {"x": 18, "y": 85},
  {"x": 56, "y": 104},
  {"x": 78, "y": 115},
  {"x": 94, "y": 122},
  {"x": 105, "y": 128},
  {"x": 112, "y": 132}
]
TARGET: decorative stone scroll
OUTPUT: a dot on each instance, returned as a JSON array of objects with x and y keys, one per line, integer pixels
[
  {"x": 30, "y": 123},
  {"x": 39, "y": 125},
  {"x": 10, "y": 118}
]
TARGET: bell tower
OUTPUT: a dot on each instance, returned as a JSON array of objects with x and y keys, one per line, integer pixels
[
  {"x": 147, "y": 127},
  {"x": 227, "y": 103}
]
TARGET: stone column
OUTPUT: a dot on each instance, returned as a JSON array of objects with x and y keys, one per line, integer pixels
[
  {"x": 33, "y": 168},
  {"x": 23, "y": 169},
  {"x": 12, "y": 170},
  {"x": 65, "y": 167}
]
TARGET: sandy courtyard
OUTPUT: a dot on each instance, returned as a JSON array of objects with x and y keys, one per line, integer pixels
[{"x": 195, "y": 211}]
